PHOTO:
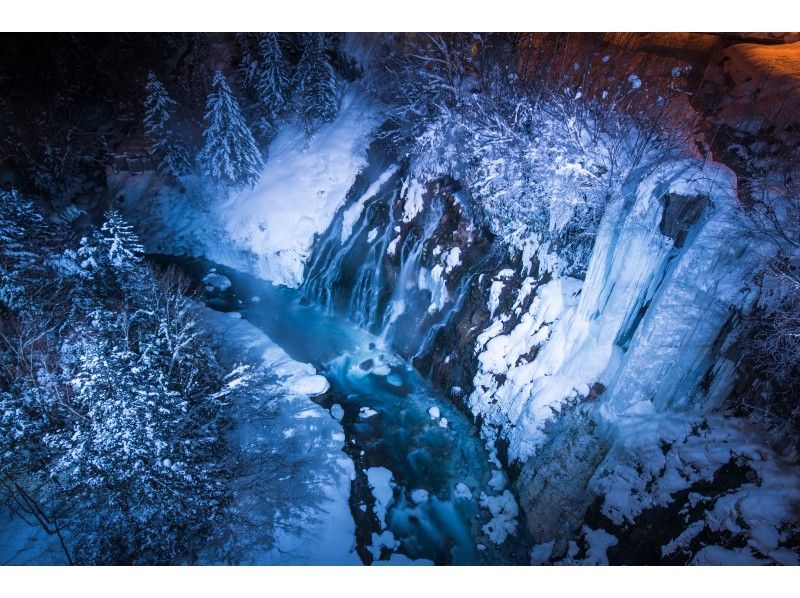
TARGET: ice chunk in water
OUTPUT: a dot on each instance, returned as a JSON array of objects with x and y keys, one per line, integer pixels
[
  {"x": 337, "y": 411},
  {"x": 419, "y": 496},
  {"x": 394, "y": 379},
  {"x": 366, "y": 413},
  {"x": 217, "y": 281},
  {"x": 463, "y": 491}
]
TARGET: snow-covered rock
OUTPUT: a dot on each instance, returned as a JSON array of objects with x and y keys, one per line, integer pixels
[
  {"x": 380, "y": 481},
  {"x": 217, "y": 281},
  {"x": 337, "y": 411},
  {"x": 419, "y": 496},
  {"x": 366, "y": 413},
  {"x": 504, "y": 511}
]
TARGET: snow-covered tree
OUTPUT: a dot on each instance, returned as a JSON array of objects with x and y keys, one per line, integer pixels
[
  {"x": 230, "y": 155},
  {"x": 316, "y": 96},
  {"x": 144, "y": 464},
  {"x": 166, "y": 147},
  {"x": 250, "y": 62},
  {"x": 271, "y": 83},
  {"x": 20, "y": 246},
  {"x": 107, "y": 268}
]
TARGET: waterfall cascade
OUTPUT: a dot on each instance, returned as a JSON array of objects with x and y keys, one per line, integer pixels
[
  {"x": 554, "y": 366},
  {"x": 392, "y": 274}
]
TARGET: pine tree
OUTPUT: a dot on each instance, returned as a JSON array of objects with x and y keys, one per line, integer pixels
[
  {"x": 230, "y": 155},
  {"x": 107, "y": 269},
  {"x": 315, "y": 91},
  {"x": 271, "y": 84},
  {"x": 249, "y": 64},
  {"x": 166, "y": 148},
  {"x": 23, "y": 237},
  {"x": 124, "y": 248}
]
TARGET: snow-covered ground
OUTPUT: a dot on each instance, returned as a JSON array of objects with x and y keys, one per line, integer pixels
[
  {"x": 25, "y": 543},
  {"x": 656, "y": 455},
  {"x": 323, "y": 532},
  {"x": 268, "y": 230}
]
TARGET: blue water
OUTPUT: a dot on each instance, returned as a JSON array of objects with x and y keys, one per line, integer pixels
[{"x": 402, "y": 436}]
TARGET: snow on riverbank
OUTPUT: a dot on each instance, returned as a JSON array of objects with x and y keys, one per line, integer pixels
[
  {"x": 266, "y": 231},
  {"x": 324, "y": 532}
]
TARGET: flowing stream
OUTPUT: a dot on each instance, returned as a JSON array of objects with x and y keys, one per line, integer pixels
[{"x": 421, "y": 466}]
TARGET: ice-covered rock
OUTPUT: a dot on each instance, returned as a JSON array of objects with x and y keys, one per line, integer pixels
[
  {"x": 366, "y": 413},
  {"x": 217, "y": 281},
  {"x": 337, "y": 411},
  {"x": 419, "y": 496}
]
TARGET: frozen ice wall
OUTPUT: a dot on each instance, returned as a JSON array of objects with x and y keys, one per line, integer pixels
[{"x": 671, "y": 264}]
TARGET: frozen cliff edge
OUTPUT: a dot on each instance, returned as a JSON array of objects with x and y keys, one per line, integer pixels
[
  {"x": 606, "y": 388},
  {"x": 644, "y": 323}
]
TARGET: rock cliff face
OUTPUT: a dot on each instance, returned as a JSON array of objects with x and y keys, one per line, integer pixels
[{"x": 550, "y": 365}]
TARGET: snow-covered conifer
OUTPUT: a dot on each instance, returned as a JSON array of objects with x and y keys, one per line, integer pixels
[
  {"x": 22, "y": 241},
  {"x": 316, "y": 96},
  {"x": 166, "y": 147},
  {"x": 230, "y": 155},
  {"x": 271, "y": 84}
]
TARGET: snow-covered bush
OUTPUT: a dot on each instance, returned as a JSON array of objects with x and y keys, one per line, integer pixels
[
  {"x": 769, "y": 348},
  {"x": 115, "y": 407},
  {"x": 540, "y": 155}
]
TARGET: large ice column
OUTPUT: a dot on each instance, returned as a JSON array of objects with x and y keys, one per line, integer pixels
[
  {"x": 673, "y": 260},
  {"x": 675, "y": 322}
]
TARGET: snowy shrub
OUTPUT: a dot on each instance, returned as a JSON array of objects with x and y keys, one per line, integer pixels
[
  {"x": 769, "y": 339},
  {"x": 541, "y": 155},
  {"x": 115, "y": 408}
]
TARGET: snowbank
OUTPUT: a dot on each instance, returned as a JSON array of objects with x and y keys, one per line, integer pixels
[
  {"x": 266, "y": 231},
  {"x": 326, "y": 533}
]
